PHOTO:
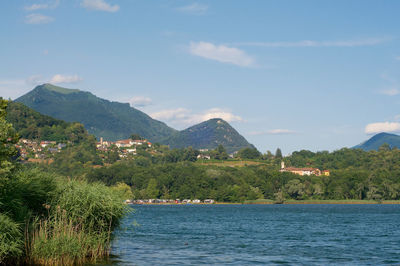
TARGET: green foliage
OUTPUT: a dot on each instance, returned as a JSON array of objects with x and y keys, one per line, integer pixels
[
  {"x": 97, "y": 207},
  {"x": 11, "y": 239},
  {"x": 8, "y": 138},
  {"x": 278, "y": 153},
  {"x": 32, "y": 125},
  {"x": 26, "y": 193},
  {"x": 219, "y": 153},
  {"x": 81, "y": 219},
  {"x": 354, "y": 174},
  {"x": 249, "y": 153},
  {"x": 136, "y": 137},
  {"x": 72, "y": 160},
  {"x": 124, "y": 190}
]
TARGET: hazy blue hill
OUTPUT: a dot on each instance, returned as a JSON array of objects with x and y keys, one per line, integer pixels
[
  {"x": 103, "y": 118},
  {"x": 376, "y": 141},
  {"x": 208, "y": 135}
]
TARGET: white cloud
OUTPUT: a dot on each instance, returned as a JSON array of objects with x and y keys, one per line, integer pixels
[
  {"x": 391, "y": 92},
  {"x": 221, "y": 53},
  {"x": 184, "y": 117},
  {"x": 58, "y": 78},
  {"x": 195, "y": 8},
  {"x": 374, "y": 128},
  {"x": 49, "y": 5},
  {"x": 277, "y": 131},
  {"x": 13, "y": 88},
  {"x": 310, "y": 43},
  {"x": 178, "y": 113},
  {"x": 140, "y": 101},
  {"x": 38, "y": 19},
  {"x": 217, "y": 113},
  {"x": 99, "y": 5}
]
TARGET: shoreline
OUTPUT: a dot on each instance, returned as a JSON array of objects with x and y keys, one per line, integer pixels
[{"x": 292, "y": 202}]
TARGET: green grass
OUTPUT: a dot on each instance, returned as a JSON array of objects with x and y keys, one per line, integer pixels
[
  {"x": 11, "y": 239},
  {"x": 61, "y": 90},
  {"x": 60, "y": 240}
]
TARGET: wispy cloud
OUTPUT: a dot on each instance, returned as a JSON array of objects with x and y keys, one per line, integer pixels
[
  {"x": 58, "y": 78},
  {"x": 221, "y": 53},
  {"x": 49, "y": 5},
  {"x": 38, "y": 19},
  {"x": 397, "y": 58},
  {"x": 277, "y": 131},
  {"x": 183, "y": 117},
  {"x": 391, "y": 92},
  {"x": 195, "y": 9},
  {"x": 379, "y": 127},
  {"x": 311, "y": 43},
  {"x": 13, "y": 88},
  {"x": 393, "y": 88},
  {"x": 140, "y": 101},
  {"x": 99, "y": 5}
]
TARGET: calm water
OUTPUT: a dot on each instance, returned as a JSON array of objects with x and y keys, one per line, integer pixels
[{"x": 259, "y": 234}]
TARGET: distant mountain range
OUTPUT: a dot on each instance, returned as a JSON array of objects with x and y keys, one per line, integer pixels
[
  {"x": 111, "y": 120},
  {"x": 114, "y": 120},
  {"x": 377, "y": 140}
]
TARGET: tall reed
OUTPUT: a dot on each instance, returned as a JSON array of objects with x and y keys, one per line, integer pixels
[{"x": 79, "y": 225}]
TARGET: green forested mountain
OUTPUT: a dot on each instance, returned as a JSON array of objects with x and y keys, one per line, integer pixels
[
  {"x": 111, "y": 120},
  {"x": 378, "y": 140},
  {"x": 33, "y": 125},
  {"x": 208, "y": 135}
]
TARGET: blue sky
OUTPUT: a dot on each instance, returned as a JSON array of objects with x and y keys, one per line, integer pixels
[{"x": 317, "y": 75}]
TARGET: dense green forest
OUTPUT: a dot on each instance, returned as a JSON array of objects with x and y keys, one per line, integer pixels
[
  {"x": 177, "y": 173},
  {"x": 33, "y": 125}
]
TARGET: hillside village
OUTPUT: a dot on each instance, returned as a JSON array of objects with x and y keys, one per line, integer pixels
[{"x": 44, "y": 151}]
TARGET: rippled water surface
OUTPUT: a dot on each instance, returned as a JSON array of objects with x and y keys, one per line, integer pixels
[{"x": 259, "y": 234}]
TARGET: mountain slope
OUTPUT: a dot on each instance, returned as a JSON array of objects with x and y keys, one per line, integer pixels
[
  {"x": 376, "y": 141},
  {"x": 208, "y": 135},
  {"x": 111, "y": 120},
  {"x": 33, "y": 125}
]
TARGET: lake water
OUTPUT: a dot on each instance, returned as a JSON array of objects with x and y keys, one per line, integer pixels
[{"x": 259, "y": 234}]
